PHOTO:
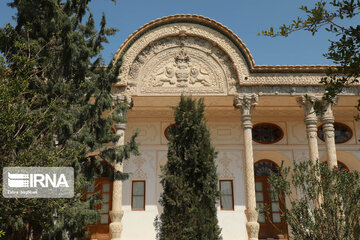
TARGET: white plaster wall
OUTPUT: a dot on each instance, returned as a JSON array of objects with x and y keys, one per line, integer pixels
[
  {"x": 230, "y": 165},
  {"x": 228, "y": 140}
]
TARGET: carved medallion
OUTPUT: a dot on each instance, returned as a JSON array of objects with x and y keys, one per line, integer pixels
[{"x": 181, "y": 65}]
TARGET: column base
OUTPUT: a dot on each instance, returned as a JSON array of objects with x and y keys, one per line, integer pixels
[
  {"x": 253, "y": 230},
  {"x": 115, "y": 230},
  {"x": 116, "y": 225}
]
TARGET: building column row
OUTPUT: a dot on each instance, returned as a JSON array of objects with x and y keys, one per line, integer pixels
[
  {"x": 327, "y": 119},
  {"x": 246, "y": 104}
]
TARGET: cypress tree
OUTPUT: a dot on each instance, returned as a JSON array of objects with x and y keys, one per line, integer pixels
[
  {"x": 189, "y": 178},
  {"x": 54, "y": 91}
]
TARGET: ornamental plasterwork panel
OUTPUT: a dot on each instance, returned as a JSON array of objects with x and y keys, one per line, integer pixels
[
  {"x": 226, "y": 133},
  {"x": 182, "y": 58},
  {"x": 301, "y": 155},
  {"x": 139, "y": 172},
  {"x": 148, "y": 132},
  {"x": 231, "y": 159},
  {"x": 283, "y": 79},
  {"x": 139, "y": 165},
  {"x": 299, "y": 79},
  {"x": 225, "y": 172},
  {"x": 297, "y": 133}
]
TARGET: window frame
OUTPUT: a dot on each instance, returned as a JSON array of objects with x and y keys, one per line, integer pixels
[
  {"x": 269, "y": 225},
  {"x": 167, "y": 129},
  {"x": 267, "y": 123},
  {"x": 98, "y": 189},
  {"x": 132, "y": 195},
  {"x": 232, "y": 194}
]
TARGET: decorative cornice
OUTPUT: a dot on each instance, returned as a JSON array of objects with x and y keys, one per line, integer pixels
[{"x": 197, "y": 19}]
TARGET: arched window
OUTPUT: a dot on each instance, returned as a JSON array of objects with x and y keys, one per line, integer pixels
[
  {"x": 270, "y": 206},
  {"x": 264, "y": 168},
  {"x": 267, "y": 133}
]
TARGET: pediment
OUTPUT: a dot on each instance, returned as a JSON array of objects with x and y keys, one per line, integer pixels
[
  {"x": 194, "y": 55},
  {"x": 182, "y": 58}
]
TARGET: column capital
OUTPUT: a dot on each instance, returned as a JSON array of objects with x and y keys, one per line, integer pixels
[
  {"x": 118, "y": 99},
  {"x": 246, "y": 103},
  {"x": 120, "y": 126},
  {"x": 327, "y": 115},
  {"x": 308, "y": 102}
]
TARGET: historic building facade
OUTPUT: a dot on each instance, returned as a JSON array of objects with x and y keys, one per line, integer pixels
[{"x": 194, "y": 55}]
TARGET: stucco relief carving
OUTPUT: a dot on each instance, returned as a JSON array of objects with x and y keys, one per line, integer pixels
[
  {"x": 139, "y": 172},
  {"x": 283, "y": 79},
  {"x": 297, "y": 132},
  {"x": 185, "y": 64},
  {"x": 225, "y": 173},
  {"x": 225, "y": 133},
  {"x": 246, "y": 103},
  {"x": 181, "y": 72},
  {"x": 295, "y": 88},
  {"x": 301, "y": 155},
  {"x": 182, "y": 57},
  {"x": 148, "y": 132}
]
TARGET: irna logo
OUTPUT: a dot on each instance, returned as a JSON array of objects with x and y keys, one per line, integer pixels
[
  {"x": 38, "y": 182},
  {"x": 18, "y": 180}
]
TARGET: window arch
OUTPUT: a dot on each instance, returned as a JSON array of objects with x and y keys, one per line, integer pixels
[
  {"x": 341, "y": 166},
  {"x": 265, "y": 167},
  {"x": 167, "y": 131}
]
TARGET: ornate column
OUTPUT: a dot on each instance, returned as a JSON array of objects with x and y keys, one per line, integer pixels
[
  {"x": 246, "y": 104},
  {"x": 116, "y": 212},
  {"x": 327, "y": 120},
  {"x": 307, "y": 102}
]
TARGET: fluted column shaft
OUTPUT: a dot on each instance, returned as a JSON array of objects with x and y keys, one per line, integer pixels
[
  {"x": 116, "y": 212},
  {"x": 246, "y": 104},
  {"x": 327, "y": 120},
  {"x": 307, "y": 102}
]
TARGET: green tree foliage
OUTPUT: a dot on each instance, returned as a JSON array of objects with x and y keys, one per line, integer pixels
[
  {"x": 340, "y": 17},
  {"x": 327, "y": 202},
  {"x": 53, "y": 95},
  {"x": 189, "y": 178}
]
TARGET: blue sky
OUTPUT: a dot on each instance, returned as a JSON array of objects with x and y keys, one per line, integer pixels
[{"x": 244, "y": 17}]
